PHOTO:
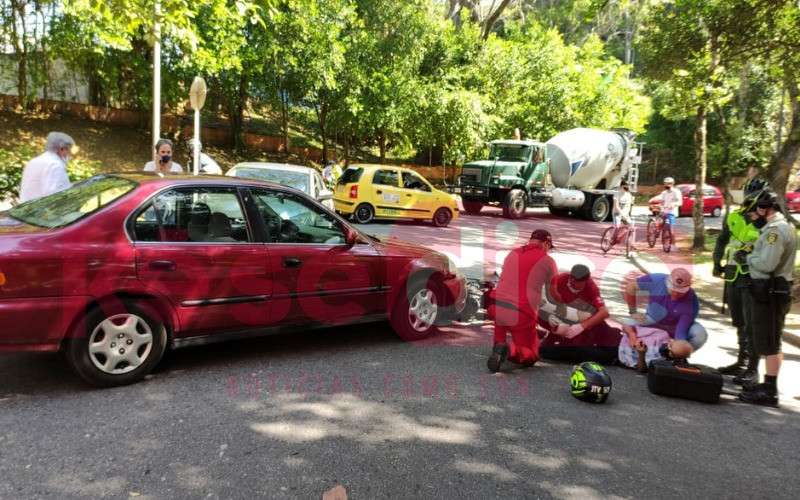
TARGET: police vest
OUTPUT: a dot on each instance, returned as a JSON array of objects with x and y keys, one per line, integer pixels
[{"x": 743, "y": 233}]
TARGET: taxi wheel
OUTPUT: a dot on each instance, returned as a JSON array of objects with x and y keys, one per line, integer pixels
[
  {"x": 442, "y": 217},
  {"x": 364, "y": 213},
  {"x": 119, "y": 347}
]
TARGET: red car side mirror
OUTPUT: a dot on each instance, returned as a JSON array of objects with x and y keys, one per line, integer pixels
[{"x": 350, "y": 236}]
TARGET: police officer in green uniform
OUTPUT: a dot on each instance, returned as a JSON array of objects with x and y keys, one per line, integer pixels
[
  {"x": 771, "y": 272},
  {"x": 738, "y": 233}
]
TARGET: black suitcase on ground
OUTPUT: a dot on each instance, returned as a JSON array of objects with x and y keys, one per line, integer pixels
[{"x": 682, "y": 380}]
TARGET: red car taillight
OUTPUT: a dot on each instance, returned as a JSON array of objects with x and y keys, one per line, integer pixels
[
  {"x": 354, "y": 191},
  {"x": 2, "y": 278}
]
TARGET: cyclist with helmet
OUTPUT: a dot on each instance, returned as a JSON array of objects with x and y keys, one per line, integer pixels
[
  {"x": 671, "y": 200},
  {"x": 738, "y": 233},
  {"x": 771, "y": 265}
]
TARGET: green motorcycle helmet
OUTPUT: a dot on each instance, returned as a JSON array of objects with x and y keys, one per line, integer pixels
[{"x": 590, "y": 382}]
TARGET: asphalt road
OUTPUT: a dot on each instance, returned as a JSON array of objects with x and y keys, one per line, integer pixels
[{"x": 290, "y": 416}]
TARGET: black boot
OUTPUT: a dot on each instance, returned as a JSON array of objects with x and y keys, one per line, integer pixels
[
  {"x": 760, "y": 394},
  {"x": 499, "y": 354},
  {"x": 738, "y": 367},
  {"x": 750, "y": 375}
]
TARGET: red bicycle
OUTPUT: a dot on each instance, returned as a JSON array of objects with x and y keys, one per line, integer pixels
[
  {"x": 657, "y": 225},
  {"x": 616, "y": 235}
]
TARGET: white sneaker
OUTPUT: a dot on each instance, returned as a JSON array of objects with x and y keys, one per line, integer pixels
[{"x": 673, "y": 248}]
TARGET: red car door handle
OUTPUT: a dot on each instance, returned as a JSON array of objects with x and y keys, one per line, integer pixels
[
  {"x": 290, "y": 262},
  {"x": 163, "y": 265}
]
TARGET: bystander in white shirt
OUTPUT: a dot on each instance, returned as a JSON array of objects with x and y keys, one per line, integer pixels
[{"x": 46, "y": 174}]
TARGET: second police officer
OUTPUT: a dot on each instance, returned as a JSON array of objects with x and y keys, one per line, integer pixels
[
  {"x": 738, "y": 233},
  {"x": 771, "y": 266}
]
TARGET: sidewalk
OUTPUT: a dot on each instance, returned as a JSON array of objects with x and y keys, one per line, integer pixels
[{"x": 709, "y": 291}]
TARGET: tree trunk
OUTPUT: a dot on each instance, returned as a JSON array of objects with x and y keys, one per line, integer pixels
[
  {"x": 284, "y": 116},
  {"x": 236, "y": 115},
  {"x": 17, "y": 11},
  {"x": 322, "y": 119},
  {"x": 699, "y": 243},
  {"x": 493, "y": 17},
  {"x": 346, "y": 146},
  {"x": 781, "y": 166},
  {"x": 726, "y": 158},
  {"x": 383, "y": 144}
]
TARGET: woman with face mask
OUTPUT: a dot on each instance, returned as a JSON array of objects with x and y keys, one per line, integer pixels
[{"x": 163, "y": 160}]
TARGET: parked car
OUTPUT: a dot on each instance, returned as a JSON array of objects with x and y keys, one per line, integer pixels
[
  {"x": 712, "y": 200},
  {"x": 306, "y": 179},
  {"x": 381, "y": 191},
  {"x": 118, "y": 267},
  {"x": 793, "y": 201}
]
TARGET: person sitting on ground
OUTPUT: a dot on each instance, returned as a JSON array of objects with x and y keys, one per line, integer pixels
[
  {"x": 672, "y": 306},
  {"x": 164, "y": 149},
  {"x": 590, "y": 338},
  {"x": 207, "y": 165}
]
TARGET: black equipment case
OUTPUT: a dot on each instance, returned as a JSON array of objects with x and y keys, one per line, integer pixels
[{"x": 683, "y": 380}]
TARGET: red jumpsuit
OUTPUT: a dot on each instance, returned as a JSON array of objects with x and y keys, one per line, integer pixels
[{"x": 515, "y": 307}]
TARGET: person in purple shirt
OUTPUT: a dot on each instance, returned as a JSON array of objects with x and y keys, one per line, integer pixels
[{"x": 672, "y": 306}]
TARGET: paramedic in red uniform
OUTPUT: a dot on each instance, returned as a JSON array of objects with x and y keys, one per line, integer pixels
[
  {"x": 591, "y": 339},
  {"x": 515, "y": 307}
]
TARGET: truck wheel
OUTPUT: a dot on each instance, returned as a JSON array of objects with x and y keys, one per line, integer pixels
[
  {"x": 514, "y": 204},
  {"x": 364, "y": 213},
  {"x": 601, "y": 209},
  {"x": 472, "y": 207}
]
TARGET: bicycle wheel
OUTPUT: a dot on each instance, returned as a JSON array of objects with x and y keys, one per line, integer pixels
[
  {"x": 652, "y": 232},
  {"x": 666, "y": 238},
  {"x": 607, "y": 241},
  {"x": 629, "y": 241}
]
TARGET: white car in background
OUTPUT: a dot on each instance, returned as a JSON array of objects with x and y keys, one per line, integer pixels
[{"x": 305, "y": 179}]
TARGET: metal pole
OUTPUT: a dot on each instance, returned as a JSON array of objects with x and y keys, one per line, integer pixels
[
  {"x": 196, "y": 152},
  {"x": 157, "y": 78}
]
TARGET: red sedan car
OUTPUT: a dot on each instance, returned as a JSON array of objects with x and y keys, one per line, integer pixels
[
  {"x": 116, "y": 268},
  {"x": 793, "y": 201},
  {"x": 712, "y": 200}
]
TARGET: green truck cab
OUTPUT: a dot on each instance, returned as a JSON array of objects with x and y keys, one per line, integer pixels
[{"x": 514, "y": 171}]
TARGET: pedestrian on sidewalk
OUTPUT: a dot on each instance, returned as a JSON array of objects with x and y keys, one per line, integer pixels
[
  {"x": 47, "y": 173},
  {"x": 771, "y": 270},
  {"x": 516, "y": 298},
  {"x": 739, "y": 233},
  {"x": 207, "y": 165},
  {"x": 672, "y": 306}
]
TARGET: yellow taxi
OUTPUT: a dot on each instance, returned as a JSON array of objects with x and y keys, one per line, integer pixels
[{"x": 383, "y": 191}]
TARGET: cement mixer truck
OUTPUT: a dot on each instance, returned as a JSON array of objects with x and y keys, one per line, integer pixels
[{"x": 576, "y": 172}]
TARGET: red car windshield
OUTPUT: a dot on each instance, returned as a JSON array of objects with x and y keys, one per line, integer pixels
[{"x": 65, "y": 207}]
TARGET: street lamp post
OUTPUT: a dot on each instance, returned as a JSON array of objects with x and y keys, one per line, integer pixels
[{"x": 197, "y": 97}]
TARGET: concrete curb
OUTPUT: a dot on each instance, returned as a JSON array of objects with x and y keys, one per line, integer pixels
[{"x": 790, "y": 337}]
